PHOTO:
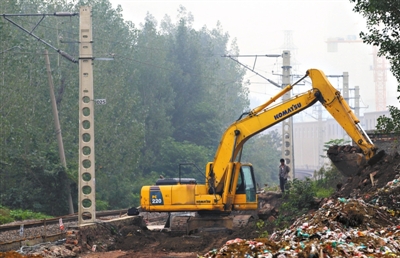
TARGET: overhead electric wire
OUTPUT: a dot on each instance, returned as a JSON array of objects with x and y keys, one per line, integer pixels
[{"x": 61, "y": 32}]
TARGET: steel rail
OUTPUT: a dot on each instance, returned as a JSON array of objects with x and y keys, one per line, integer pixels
[{"x": 68, "y": 218}]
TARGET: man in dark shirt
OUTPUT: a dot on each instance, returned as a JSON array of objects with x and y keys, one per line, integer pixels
[{"x": 283, "y": 174}]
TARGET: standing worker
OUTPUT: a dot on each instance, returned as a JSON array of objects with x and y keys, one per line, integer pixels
[{"x": 283, "y": 174}]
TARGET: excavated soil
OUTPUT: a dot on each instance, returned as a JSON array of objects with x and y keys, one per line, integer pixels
[
  {"x": 137, "y": 241},
  {"x": 373, "y": 187},
  {"x": 363, "y": 213}
]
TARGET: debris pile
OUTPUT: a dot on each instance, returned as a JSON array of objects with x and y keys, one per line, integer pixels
[
  {"x": 269, "y": 204},
  {"x": 48, "y": 249},
  {"x": 373, "y": 180},
  {"x": 340, "y": 228}
]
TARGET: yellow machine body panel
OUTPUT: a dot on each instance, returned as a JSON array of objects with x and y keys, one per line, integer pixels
[{"x": 175, "y": 198}]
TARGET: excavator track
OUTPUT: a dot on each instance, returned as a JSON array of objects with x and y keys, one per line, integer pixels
[{"x": 190, "y": 223}]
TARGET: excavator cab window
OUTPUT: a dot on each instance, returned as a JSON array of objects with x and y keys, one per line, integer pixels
[
  {"x": 246, "y": 183},
  {"x": 249, "y": 183},
  {"x": 240, "y": 184}
]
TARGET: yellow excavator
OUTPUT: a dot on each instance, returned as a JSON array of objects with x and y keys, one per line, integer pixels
[{"x": 229, "y": 184}]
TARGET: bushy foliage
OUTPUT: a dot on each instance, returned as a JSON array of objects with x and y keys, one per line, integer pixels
[
  {"x": 299, "y": 197},
  {"x": 389, "y": 124},
  {"x": 261, "y": 229},
  {"x": 327, "y": 177},
  {"x": 27, "y": 214},
  {"x": 7, "y": 215},
  {"x": 38, "y": 185},
  {"x": 326, "y": 182},
  {"x": 297, "y": 200},
  {"x": 383, "y": 25}
]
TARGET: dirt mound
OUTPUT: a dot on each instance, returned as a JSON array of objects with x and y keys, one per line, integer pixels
[
  {"x": 371, "y": 179},
  {"x": 269, "y": 204},
  {"x": 137, "y": 240}
]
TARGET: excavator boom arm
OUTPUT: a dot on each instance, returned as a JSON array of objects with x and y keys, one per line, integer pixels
[
  {"x": 336, "y": 105},
  {"x": 265, "y": 116}
]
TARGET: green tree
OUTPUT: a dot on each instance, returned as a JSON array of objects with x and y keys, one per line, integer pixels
[
  {"x": 174, "y": 153},
  {"x": 187, "y": 80},
  {"x": 40, "y": 175},
  {"x": 27, "y": 121},
  {"x": 383, "y": 25},
  {"x": 200, "y": 81},
  {"x": 263, "y": 152},
  {"x": 25, "y": 111},
  {"x": 389, "y": 124},
  {"x": 119, "y": 126},
  {"x": 155, "y": 91},
  {"x": 169, "y": 97},
  {"x": 227, "y": 91}
]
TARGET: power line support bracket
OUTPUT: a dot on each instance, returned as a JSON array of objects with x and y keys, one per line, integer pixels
[{"x": 63, "y": 14}]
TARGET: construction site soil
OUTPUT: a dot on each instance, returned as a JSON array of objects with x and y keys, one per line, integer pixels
[
  {"x": 375, "y": 186},
  {"x": 360, "y": 218}
]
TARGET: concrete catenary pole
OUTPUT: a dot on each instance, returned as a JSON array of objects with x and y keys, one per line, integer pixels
[
  {"x": 357, "y": 101},
  {"x": 346, "y": 95},
  {"x": 86, "y": 181},
  {"x": 287, "y": 124}
]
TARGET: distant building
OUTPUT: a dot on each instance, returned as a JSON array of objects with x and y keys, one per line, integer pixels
[
  {"x": 309, "y": 138},
  {"x": 369, "y": 120}
]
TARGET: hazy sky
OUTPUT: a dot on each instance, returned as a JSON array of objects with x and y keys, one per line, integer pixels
[{"x": 259, "y": 28}]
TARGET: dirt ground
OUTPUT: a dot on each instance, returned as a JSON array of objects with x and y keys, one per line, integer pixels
[
  {"x": 137, "y": 241},
  {"x": 368, "y": 201},
  {"x": 372, "y": 178}
]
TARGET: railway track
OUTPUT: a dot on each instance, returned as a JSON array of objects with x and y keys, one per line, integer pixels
[{"x": 16, "y": 235}]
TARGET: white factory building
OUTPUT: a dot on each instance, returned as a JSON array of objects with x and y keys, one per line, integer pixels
[{"x": 309, "y": 138}]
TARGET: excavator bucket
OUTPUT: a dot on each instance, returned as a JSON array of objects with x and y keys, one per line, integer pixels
[
  {"x": 350, "y": 160},
  {"x": 348, "y": 163}
]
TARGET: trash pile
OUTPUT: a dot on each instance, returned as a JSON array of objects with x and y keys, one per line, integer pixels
[
  {"x": 40, "y": 251},
  {"x": 340, "y": 228}
]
